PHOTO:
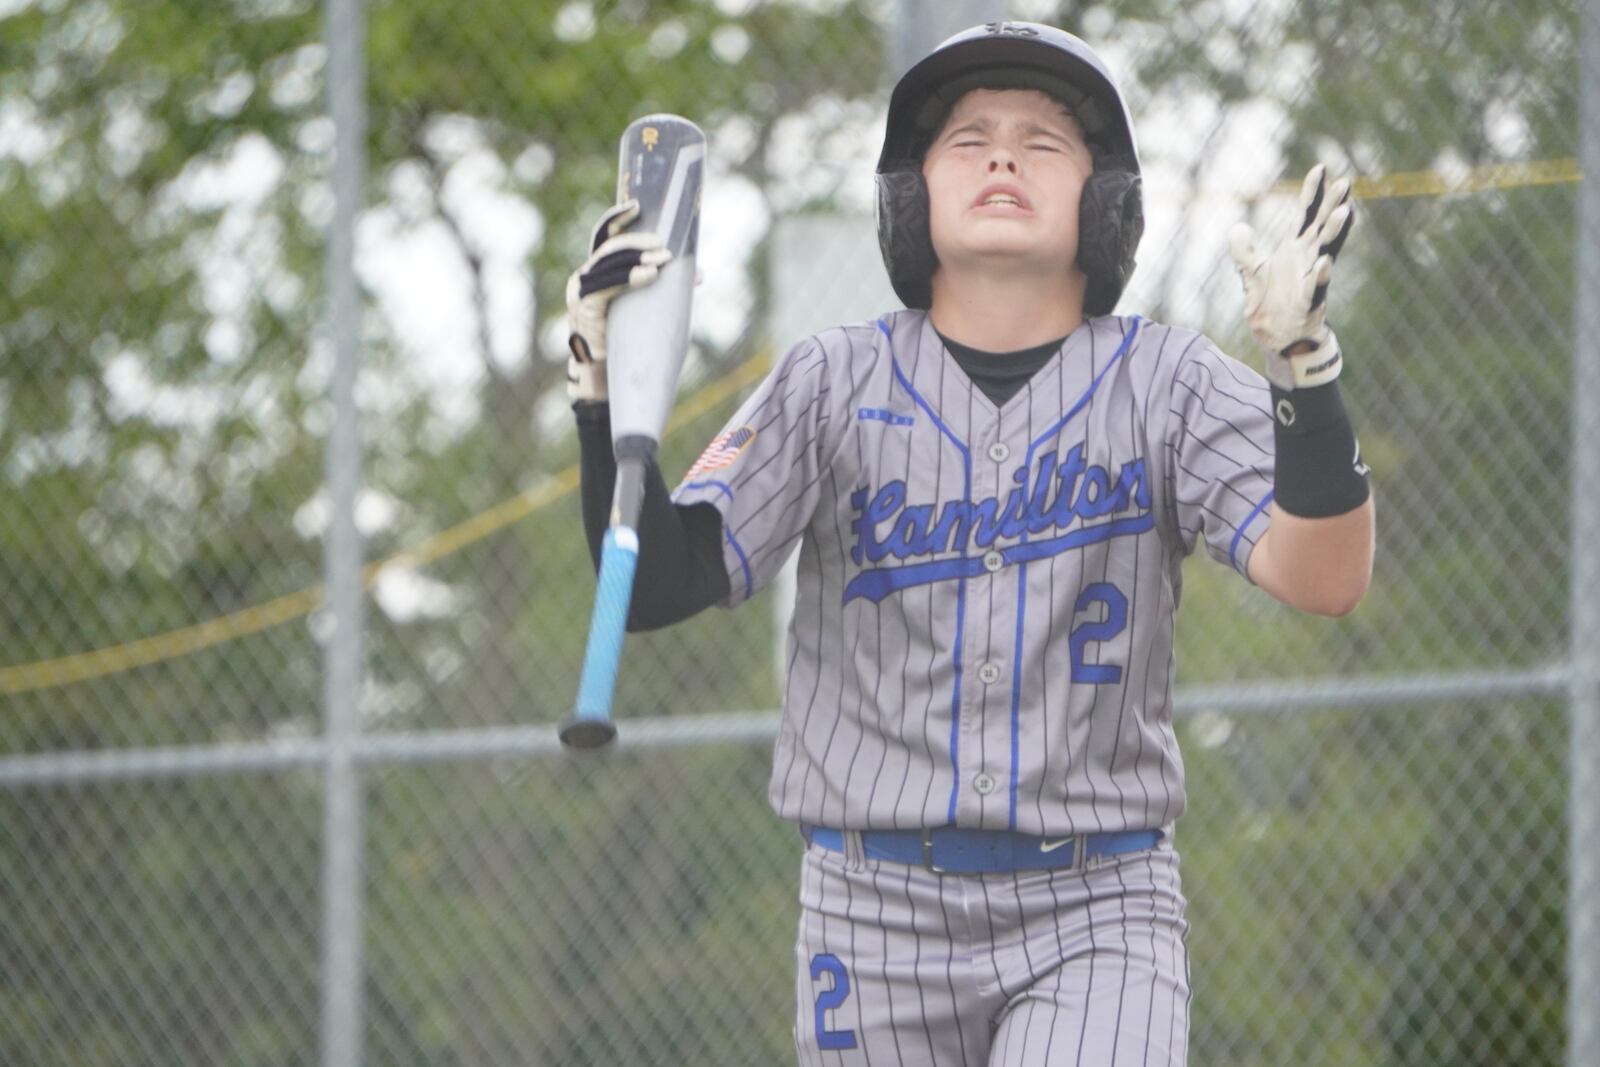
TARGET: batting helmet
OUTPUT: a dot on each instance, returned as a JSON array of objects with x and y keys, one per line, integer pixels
[{"x": 1011, "y": 55}]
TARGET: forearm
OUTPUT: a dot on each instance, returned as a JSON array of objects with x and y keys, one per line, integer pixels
[
  {"x": 1317, "y": 553},
  {"x": 1321, "y": 565},
  {"x": 680, "y": 568}
]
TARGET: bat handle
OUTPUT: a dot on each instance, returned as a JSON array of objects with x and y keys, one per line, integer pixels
[{"x": 590, "y": 724}]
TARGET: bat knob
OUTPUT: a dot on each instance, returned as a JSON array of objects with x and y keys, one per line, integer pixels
[{"x": 587, "y": 733}]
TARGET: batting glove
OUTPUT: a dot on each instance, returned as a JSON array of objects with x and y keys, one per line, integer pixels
[
  {"x": 618, "y": 262},
  {"x": 1285, "y": 294}
]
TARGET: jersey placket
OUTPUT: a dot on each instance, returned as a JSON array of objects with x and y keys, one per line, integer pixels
[{"x": 990, "y": 640}]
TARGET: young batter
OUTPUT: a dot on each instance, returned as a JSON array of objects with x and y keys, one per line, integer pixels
[{"x": 993, "y": 492}]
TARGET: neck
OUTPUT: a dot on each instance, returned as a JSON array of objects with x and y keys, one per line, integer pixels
[{"x": 1006, "y": 312}]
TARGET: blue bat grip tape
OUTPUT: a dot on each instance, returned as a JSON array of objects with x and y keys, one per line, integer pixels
[{"x": 619, "y": 556}]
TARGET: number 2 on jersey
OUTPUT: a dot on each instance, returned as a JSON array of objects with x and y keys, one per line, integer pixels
[
  {"x": 827, "y": 963},
  {"x": 1115, "y": 621}
]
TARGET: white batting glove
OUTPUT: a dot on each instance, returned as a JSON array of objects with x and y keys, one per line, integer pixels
[
  {"x": 618, "y": 262},
  {"x": 1285, "y": 294}
]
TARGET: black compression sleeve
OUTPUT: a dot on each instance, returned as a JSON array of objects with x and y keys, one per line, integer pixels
[
  {"x": 1318, "y": 470},
  {"x": 680, "y": 548}
]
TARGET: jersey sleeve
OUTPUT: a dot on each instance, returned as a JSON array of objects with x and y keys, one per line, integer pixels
[
  {"x": 1220, "y": 455},
  {"x": 763, "y": 472}
]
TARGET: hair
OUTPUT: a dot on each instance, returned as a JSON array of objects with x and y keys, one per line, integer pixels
[{"x": 930, "y": 133}]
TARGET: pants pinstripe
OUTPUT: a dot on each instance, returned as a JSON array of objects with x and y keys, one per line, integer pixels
[{"x": 897, "y": 965}]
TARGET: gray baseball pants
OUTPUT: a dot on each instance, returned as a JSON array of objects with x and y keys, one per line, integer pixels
[{"x": 899, "y": 965}]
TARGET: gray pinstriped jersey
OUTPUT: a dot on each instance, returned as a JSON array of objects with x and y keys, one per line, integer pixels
[{"x": 983, "y": 629}]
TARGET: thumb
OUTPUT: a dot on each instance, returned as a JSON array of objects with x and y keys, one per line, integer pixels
[{"x": 1242, "y": 243}]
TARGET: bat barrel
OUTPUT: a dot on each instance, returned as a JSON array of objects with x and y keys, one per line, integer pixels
[{"x": 662, "y": 166}]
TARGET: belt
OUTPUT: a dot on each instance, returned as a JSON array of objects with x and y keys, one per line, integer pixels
[{"x": 949, "y": 850}]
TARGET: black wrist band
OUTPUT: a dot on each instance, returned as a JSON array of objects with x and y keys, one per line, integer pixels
[{"x": 1317, "y": 470}]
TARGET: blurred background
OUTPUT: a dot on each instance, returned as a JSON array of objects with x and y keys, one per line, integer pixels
[{"x": 213, "y": 850}]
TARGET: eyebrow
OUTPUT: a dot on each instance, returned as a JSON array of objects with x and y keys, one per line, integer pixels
[{"x": 987, "y": 125}]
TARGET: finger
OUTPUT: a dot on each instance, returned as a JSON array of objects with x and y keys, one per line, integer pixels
[
  {"x": 615, "y": 273},
  {"x": 1321, "y": 274},
  {"x": 1242, "y": 245},
  {"x": 642, "y": 275},
  {"x": 1335, "y": 230},
  {"x": 1311, "y": 196},
  {"x": 613, "y": 222},
  {"x": 620, "y": 269},
  {"x": 630, "y": 245},
  {"x": 1339, "y": 193},
  {"x": 643, "y": 241}
]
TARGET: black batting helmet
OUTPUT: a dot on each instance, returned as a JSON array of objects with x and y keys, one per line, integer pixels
[{"x": 1011, "y": 55}]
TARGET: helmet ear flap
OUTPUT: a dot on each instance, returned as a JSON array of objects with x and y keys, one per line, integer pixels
[
  {"x": 904, "y": 235},
  {"x": 1110, "y": 223}
]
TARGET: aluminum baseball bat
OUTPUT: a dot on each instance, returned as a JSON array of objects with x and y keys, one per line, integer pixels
[{"x": 647, "y": 335}]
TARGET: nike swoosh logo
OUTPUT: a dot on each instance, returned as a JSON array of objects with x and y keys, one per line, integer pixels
[{"x": 1051, "y": 846}]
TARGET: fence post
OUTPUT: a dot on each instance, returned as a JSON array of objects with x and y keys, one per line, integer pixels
[
  {"x": 1583, "y": 887},
  {"x": 342, "y": 843}
]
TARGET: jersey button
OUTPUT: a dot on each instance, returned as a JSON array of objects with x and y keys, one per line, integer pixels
[
  {"x": 998, "y": 452},
  {"x": 989, "y": 673},
  {"x": 993, "y": 561},
  {"x": 984, "y": 784}
]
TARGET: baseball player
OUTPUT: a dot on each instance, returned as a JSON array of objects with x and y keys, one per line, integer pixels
[{"x": 993, "y": 491}]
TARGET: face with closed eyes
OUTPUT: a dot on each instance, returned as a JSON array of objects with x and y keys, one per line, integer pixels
[{"x": 1004, "y": 176}]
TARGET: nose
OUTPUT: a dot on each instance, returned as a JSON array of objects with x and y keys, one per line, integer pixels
[{"x": 1002, "y": 158}]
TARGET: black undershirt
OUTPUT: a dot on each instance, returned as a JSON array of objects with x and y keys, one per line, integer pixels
[
  {"x": 680, "y": 568},
  {"x": 1001, "y": 374}
]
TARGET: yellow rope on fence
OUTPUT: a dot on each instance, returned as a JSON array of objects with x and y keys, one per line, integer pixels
[
  {"x": 100, "y": 662},
  {"x": 1468, "y": 180}
]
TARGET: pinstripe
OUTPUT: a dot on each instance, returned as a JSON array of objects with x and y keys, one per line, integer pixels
[
  {"x": 1045, "y": 701},
  {"x": 888, "y": 989},
  {"x": 1088, "y": 742},
  {"x": 863, "y": 1045},
  {"x": 876, "y": 709},
  {"x": 851, "y": 622},
  {"x": 1126, "y": 687},
  {"x": 819, "y": 633},
  {"x": 991, "y": 942},
  {"x": 932, "y": 646},
  {"x": 1149, "y": 1035},
  {"x": 802, "y": 967},
  {"x": 1127, "y": 953},
  {"x": 922, "y": 987},
  {"x": 1088, "y": 992},
  {"x": 1255, "y": 469},
  {"x": 950, "y": 971},
  {"x": 907, "y": 644}
]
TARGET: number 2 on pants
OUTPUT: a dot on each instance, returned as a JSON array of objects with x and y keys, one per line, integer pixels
[
  {"x": 827, "y": 963},
  {"x": 1115, "y": 621}
]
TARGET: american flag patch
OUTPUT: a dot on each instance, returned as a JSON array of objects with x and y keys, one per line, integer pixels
[{"x": 723, "y": 451}]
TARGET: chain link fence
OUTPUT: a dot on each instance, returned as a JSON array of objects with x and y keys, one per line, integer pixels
[{"x": 1377, "y": 848}]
